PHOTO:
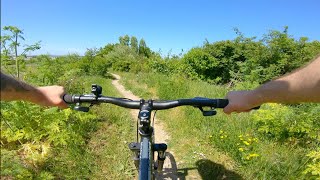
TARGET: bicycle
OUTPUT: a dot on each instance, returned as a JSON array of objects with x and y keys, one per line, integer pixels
[{"x": 145, "y": 148}]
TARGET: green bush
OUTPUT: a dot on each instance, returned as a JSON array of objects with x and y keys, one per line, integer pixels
[
  {"x": 121, "y": 58},
  {"x": 288, "y": 123},
  {"x": 33, "y": 133},
  {"x": 313, "y": 168},
  {"x": 38, "y": 124},
  {"x": 199, "y": 64}
]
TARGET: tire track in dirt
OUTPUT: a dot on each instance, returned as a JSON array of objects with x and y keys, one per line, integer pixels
[{"x": 161, "y": 136}]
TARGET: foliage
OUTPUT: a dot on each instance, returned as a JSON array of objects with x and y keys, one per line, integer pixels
[
  {"x": 144, "y": 49},
  {"x": 91, "y": 64},
  {"x": 134, "y": 44},
  {"x": 313, "y": 168},
  {"x": 50, "y": 125},
  {"x": 122, "y": 58},
  {"x": 14, "y": 39},
  {"x": 245, "y": 59},
  {"x": 105, "y": 50},
  {"x": 201, "y": 65},
  {"x": 39, "y": 131},
  {"x": 127, "y": 55},
  {"x": 295, "y": 124},
  {"x": 165, "y": 66},
  {"x": 46, "y": 74},
  {"x": 11, "y": 166}
]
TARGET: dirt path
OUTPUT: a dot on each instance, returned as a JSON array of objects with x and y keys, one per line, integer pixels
[{"x": 161, "y": 136}]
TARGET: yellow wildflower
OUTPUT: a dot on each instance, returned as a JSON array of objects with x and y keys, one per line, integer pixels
[
  {"x": 246, "y": 143},
  {"x": 254, "y": 155}
]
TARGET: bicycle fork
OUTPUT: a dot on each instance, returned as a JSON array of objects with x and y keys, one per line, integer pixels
[{"x": 160, "y": 148}]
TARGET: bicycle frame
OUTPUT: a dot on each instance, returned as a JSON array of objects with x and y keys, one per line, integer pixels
[{"x": 144, "y": 150}]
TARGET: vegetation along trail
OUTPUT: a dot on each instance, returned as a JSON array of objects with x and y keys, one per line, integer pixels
[{"x": 161, "y": 136}]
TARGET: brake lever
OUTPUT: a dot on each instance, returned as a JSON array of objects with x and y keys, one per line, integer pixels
[
  {"x": 211, "y": 112},
  {"x": 81, "y": 108},
  {"x": 96, "y": 91},
  {"x": 78, "y": 107}
]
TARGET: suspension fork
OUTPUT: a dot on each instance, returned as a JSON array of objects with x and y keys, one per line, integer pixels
[{"x": 161, "y": 149}]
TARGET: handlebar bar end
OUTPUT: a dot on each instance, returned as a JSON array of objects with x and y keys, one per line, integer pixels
[{"x": 68, "y": 98}]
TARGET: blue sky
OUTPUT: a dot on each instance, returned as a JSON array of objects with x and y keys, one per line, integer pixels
[{"x": 72, "y": 26}]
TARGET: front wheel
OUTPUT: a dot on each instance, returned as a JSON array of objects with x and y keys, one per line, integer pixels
[{"x": 146, "y": 160}]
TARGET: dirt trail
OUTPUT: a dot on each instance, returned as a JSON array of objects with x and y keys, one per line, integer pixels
[{"x": 161, "y": 136}]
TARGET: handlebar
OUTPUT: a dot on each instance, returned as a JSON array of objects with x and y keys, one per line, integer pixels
[
  {"x": 97, "y": 98},
  {"x": 156, "y": 104}
]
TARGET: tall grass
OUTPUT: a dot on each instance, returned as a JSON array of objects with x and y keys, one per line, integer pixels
[{"x": 109, "y": 144}]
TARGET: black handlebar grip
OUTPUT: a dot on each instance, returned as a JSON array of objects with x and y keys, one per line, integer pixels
[
  {"x": 221, "y": 103},
  {"x": 67, "y": 98},
  {"x": 258, "y": 107}
]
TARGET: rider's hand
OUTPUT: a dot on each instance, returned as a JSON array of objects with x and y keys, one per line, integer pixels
[
  {"x": 50, "y": 96},
  {"x": 242, "y": 101}
]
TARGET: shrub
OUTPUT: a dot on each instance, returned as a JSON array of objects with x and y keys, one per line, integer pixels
[
  {"x": 313, "y": 168},
  {"x": 294, "y": 123}
]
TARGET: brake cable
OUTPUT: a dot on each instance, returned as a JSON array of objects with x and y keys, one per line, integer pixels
[{"x": 154, "y": 116}]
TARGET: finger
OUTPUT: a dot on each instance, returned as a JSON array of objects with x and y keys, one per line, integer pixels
[
  {"x": 228, "y": 109},
  {"x": 63, "y": 106}
]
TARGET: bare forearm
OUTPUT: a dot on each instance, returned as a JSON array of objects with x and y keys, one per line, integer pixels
[
  {"x": 12, "y": 89},
  {"x": 302, "y": 85}
]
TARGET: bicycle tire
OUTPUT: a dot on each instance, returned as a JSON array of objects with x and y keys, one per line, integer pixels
[{"x": 146, "y": 160}]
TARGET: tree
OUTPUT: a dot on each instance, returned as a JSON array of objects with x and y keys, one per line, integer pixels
[
  {"x": 5, "y": 52},
  {"x": 142, "y": 46},
  {"x": 134, "y": 44},
  {"x": 14, "y": 38},
  {"x": 121, "y": 58},
  {"x": 105, "y": 50},
  {"x": 4, "y": 48},
  {"x": 91, "y": 53},
  {"x": 16, "y": 34},
  {"x": 143, "y": 49},
  {"x": 124, "y": 40}
]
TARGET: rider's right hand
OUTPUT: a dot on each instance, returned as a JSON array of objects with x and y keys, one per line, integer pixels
[{"x": 241, "y": 101}]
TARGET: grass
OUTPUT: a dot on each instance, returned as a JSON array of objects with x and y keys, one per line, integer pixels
[
  {"x": 109, "y": 144},
  {"x": 229, "y": 144}
]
